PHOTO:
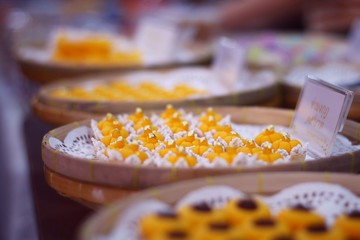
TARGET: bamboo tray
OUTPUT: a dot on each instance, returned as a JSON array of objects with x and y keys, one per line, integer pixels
[
  {"x": 133, "y": 178},
  {"x": 291, "y": 93},
  {"x": 62, "y": 111},
  {"x": 89, "y": 194},
  {"x": 104, "y": 221},
  {"x": 47, "y": 71}
]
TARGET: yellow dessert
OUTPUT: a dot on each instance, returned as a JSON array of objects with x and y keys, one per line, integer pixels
[
  {"x": 299, "y": 217},
  {"x": 160, "y": 223},
  {"x": 180, "y": 153},
  {"x": 246, "y": 219},
  {"x": 349, "y": 224},
  {"x": 250, "y": 147},
  {"x": 285, "y": 143},
  {"x": 94, "y": 49},
  {"x": 243, "y": 210},
  {"x": 175, "y": 138},
  {"x": 173, "y": 235},
  {"x": 269, "y": 135},
  {"x": 320, "y": 232},
  {"x": 200, "y": 214},
  {"x": 268, "y": 155},
  {"x": 263, "y": 228},
  {"x": 216, "y": 231},
  {"x": 122, "y": 91}
]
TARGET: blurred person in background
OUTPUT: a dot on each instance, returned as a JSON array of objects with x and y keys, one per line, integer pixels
[{"x": 244, "y": 15}]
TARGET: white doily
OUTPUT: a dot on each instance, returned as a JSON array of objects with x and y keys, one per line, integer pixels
[
  {"x": 328, "y": 200},
  {"x": 127, "y": 226},
  {"x": 215, "y": 196},
  {"x": 76, "y": 143}
]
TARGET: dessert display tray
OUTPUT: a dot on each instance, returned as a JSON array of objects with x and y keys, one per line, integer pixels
[
  {"x": 134, "y": 177},
  {"x": 263, "y": 91},
  {"x": 39, "y": 69},
  {"x": 278, "y": 189}
]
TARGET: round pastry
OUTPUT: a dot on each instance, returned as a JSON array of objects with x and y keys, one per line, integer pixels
[
  {"x": 239, "y": 211},
  {"x": 281, "y": 236},
  {"x": 217, "y": 230},
  {"x": 173, "y": 235},
  {"x": 349, "y": 224},
  {"x": 320, "y": 232},
  {"x": 264, "y": 228},
  {"x": 159, "y": 223},
  {"x": 299, "y": 217},
  {"x": 200, "y": 214}
]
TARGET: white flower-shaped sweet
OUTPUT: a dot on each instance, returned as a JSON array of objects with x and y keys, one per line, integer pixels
[
  {"x": 236, "y": 142},
  {"x": 180, "y": 135},
  {"x": 283, "y": 153},
  {"x": 133, "y": 159},
  {"x": 240, "y": 160},
  {"x": 210, "y": 150},
  {"x": 181, "y": 163},
  {"x": 225, "y": 121},
  {"x": 298, "y": 153},
  {"x": 221, "y": 142},
  {"x": 94, "y": 127},
  {"x": 114, "y": 155},
  {"x": 123, "y": 118},
  {"x": 162, "y": 162},
  {"x": 219, "y": 163},
  {"x": 150, "y": 162},
  {"x": 203, "y": 163}
]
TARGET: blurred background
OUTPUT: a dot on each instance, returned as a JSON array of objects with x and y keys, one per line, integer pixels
[{"x": 29, "y": 209}]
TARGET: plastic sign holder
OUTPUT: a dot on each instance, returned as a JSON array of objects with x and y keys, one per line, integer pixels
[
  {"x": 354, "y": 40},
  {"x": 156, "y": 39},
  {"x": 229, "y": 62},
  {"x": 320, "y": 114}
]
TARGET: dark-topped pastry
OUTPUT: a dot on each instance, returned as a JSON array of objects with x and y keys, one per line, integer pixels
[
  {"x": 242, "y": 210},
  {"x": 319, "y": 232},
  {"x": 299, "y": 217},
  {"x": 200, "y": 214},
  {"x": 349, "y": 224},
  {"x": 161, "y": 222},
  {"x": 263, "y": 228}
]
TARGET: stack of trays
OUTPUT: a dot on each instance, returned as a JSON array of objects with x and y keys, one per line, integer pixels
[{"x": 81, "y": 98}]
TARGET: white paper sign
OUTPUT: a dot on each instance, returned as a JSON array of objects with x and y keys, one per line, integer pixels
[
  {"x": 156, "y": 40},
  {"x": 229, "y": 62},
  {"x": 320, "y": 115}
]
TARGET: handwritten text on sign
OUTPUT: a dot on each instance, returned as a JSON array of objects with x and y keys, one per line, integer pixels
[{"x": 320, "y": 114}]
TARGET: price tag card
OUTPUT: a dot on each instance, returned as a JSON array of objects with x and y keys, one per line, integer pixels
[
  {"x": 320, "y": 114},
  {"x": 229, "y": 62},
  {"x": 156, "y": 39}
]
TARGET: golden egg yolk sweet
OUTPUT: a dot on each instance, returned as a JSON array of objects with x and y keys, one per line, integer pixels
[
  {"x": 215, "y": 231},
  {"x": 267, "y": 155},
  {"x": 299, "y": 217},
  {"x": 158, "y": 223},
  {"x": 174, "y": 234},
  {"x": 285, "y": 143},
  {"x": 243, "y": 210},
  {"x": 113, "y": 91},
  {"x": 320, "y": 232},
  {"x": 269, "y": 135},
  {"x": 262, "y": 228},
  {"x": 200, "y": 214},
  {"x": 349, "y": 224},
  {"x": 94, "y": 49}
]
